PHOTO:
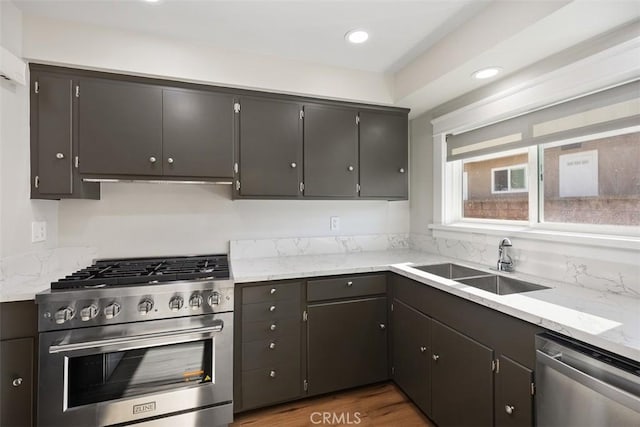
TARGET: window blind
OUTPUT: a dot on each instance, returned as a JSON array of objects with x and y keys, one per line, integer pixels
[{"x": 603, "y": 111}]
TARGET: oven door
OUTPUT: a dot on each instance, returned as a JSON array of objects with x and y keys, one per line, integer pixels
[{"x": 130, "y": 372}]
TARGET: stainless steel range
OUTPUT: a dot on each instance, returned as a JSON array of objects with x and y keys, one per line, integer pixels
[{"x": 138, "y": 341}]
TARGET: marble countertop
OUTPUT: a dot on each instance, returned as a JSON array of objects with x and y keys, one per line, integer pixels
[
  {"x": 602, "y": 319},
  {"x": 26, "y": 289}
]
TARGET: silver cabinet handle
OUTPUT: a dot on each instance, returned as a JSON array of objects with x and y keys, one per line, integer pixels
[
  {"x": 349, "y": 284},
  {"x": 59, "y": 156},
  {"x": 401, "y": 170},
  {"x": 152, "y": 159},
  {"x": 509, "y": 409},
  {"x": 350, "y": 168},
  {"x": 272, "y": 327},
  {"x": 435, "y": 357},
  {"x": 272, "y": 345},
  {"x": 17, "y": 382},
  {"x": 382, "y": 326},
  {"x": 293, "y": 165},
  {"x": 423, "y": 349},
  {"x": 272, "y": 308},
  {"x": 272, "y": 374},
  {"x": 272, "y": 291},
  {"x": 170, "y": 160}
]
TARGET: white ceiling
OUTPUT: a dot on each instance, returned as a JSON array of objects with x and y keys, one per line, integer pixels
[
  {"x": 427, "y": 48},
  {"x": 302, "y": 30}
]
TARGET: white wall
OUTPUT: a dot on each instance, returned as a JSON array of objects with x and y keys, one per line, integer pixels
[
  {"x": 16, "y": 210},
  {"x": 93, "y": 47},
  {"x": 140, "y": 219}
]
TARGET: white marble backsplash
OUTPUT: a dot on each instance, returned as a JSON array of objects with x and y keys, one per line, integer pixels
[
  {"x": 267, "y": 248},
  {"x": 616, "y": 276},
  {"x": 32, "y": 266}
]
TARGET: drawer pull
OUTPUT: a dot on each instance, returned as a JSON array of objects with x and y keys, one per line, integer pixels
[
  {"x": 349, "y": 284},
  {"x": 272, "y": 345},
  {"x": 17, "y": 382},
  {"x": 435, "y": 357},
  {"x": 423, "y": 349},
  {"x": 272, "y": 327},
  {"x": 272, "y": 291},
  {"x": 272, "y": 374},
  {"x": 272, "y": 308},
  {"x": 382, "y": 326},
  {"x": 509, "y": 409}
]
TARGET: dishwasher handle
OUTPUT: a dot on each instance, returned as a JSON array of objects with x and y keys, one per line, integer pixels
[{"x": 614, "y": 393}]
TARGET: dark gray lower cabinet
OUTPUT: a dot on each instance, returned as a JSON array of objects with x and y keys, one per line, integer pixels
[
  {"x": 412, "y": 354},
  {"x": 347, "y": 344},
  {"x": 514, "y": 394},
  {"x": 462, "y": 379},
  {"x": 268, "y": 349}
]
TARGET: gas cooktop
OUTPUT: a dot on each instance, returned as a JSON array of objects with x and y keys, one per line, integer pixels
[{"x": 140, "y": 271}]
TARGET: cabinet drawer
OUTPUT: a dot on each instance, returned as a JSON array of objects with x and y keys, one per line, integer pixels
[
  {"x": 264, "y": 386},
  {"x": 346, "y": 287},
  {"x": 265, "y": 329},
  {"x": 272, "y": 310},
  {"x": 264, "y": 293},
  {"x": 265, "y": 353}
]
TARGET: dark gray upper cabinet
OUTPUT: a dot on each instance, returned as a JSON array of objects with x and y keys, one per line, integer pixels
[
  {"x": 120, "y": 128},
  {"x": 514, "y": 394},
  {"x": 411, "y": 345},
  {"x": 270, "y": 148},
  {"x": 197, "y": 134},
  {"x": 330, "y": 151},
  {"x": 53, "y": 139},
  {"x": 462, "y": 379},
  {"x": 383, "y": 155},
  {"x": 347, "y": 344}
]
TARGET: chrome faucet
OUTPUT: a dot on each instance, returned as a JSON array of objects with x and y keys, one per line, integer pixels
[{"x": 505, "y": 263}]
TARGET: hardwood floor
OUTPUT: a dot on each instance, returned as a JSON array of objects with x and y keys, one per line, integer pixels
[{"x": 381, "y": 405}]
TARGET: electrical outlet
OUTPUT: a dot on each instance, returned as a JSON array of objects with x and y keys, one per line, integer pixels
[
  {"x": 38, "y": 231},
  {"x": 334, "y": 224}
]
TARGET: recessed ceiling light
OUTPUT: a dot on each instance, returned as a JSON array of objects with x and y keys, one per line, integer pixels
[
  {"x": 152, "y": 1},
  {"x": 486, "y": 73},
  {"x": 357, "y": 36}
]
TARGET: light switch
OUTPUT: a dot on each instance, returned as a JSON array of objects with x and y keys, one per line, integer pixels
[{"x": 334, "y": 223}]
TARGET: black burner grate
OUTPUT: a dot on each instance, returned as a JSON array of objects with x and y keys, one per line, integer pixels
[{"x": 139, "y": 271}]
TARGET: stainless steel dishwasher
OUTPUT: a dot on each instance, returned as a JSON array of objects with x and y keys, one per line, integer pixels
[{"x": 580, "y": 385}]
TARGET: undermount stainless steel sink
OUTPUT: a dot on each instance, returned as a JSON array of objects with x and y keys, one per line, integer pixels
[
  {"x": 450, "y": 271},
  {"x": 501, "y": 285}
]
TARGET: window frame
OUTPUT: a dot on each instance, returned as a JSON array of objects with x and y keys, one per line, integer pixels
[
  {"x": 453, "y": 204},
  {"x": 509, "y": 169}
]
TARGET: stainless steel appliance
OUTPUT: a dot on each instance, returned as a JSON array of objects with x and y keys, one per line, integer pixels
[
  {"x": 138, "y": 341},
  {"x": 579, "y": 385}
]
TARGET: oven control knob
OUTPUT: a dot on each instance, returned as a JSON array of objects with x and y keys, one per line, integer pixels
[
  {"x": 214, "y": 299},
  {"x": 176, "y": 303},
  {"x": 145, "y": 306},
  {"x": 63, "y": 315},
  {"x": 195, "y": 302},
  {"x": 88, "y": 313},
  {"x": 112, "y": 310}
]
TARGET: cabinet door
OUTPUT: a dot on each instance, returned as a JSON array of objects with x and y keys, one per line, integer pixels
[
  {"x": 514, "y": 400},
  {"x": 16, "y": 382},
  {"x": 197, "y": 134},
  {"x": 120, "y": 128},
  {"x": 270, "y": 141},
  {"x": 330, "y": 151},
  {"x": 52, "y": 126},
  {"x": 347, "y": 344},
  {"x": 412, "y": 354},
  {"x": 383, "y": 155},
  {"x": 462, "y": 379}
]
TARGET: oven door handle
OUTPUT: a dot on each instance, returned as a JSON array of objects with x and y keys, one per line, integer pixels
[{"x": 139, "y": 341}]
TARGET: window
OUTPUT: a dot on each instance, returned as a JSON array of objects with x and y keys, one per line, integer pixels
[
  {"x": 595, "y": 181},
  {"x": 511, "y": 179},
  {"x": 496, "y": 186}
]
